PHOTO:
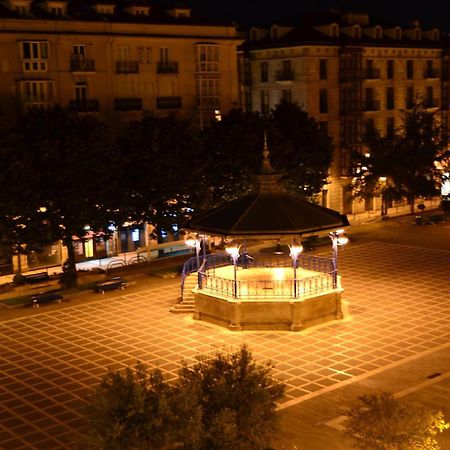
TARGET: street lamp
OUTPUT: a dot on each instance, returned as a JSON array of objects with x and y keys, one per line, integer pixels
[
  {"x": 338, "y": 238},
  {"x": 233, "y": 251},
  {"x": 295, "y": 249},
  {"x": 194, "y": 242}
]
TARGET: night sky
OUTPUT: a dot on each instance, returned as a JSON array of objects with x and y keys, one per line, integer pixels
[{"x": 430, "y": 12}]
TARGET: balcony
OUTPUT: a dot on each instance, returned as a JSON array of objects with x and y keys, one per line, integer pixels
[
  {"x": 372, "y": 105},
  {"x": 372, "y": 74},
  {"x": 168, "y": 102},
  {"x": 431, "y": 73},
  {"x": 167, "y": 67},
  {"x": 127, "y": 67},
  {"x": 128, "y": 104},
  {"x": 431, "y": 103},
  {"x": 84, "y": 105},
  {"x": 82, "y": 64},
  {"x": 284, "y": 75}
]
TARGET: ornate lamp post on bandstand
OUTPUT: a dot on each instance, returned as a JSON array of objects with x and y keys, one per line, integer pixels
[
  {"x": 338, "y": 238},
  {"x": 195, "y": 242},
  {"x": 233, "y": 251},
  {"x": 295, "y": 250}
]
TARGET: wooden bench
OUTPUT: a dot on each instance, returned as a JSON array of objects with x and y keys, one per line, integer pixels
[
  {"x": 34, "y": 278},
  {"x": 111, "y": 284},
  {"x": 45, "y": 297}
]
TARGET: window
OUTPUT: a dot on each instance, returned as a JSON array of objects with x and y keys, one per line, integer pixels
[
  {"x": 369, "y": 125},
  {"x": 56, "y": 11},
  {"x": 429, "y": 70},
  {"x": 323, "y": 69},
  {"x": 378, "y": 32},
  {"x": 79, "y": 52},
  {"x": 208, "y": 95},
  {"x": 265, "y": 102},
  {"x": 390, "y": 126},
  {"x": 274, "y": 32},
  {"x": 357, "y": 32},
  {"x": 264, "y": 71},
  {"x": 37, "y": 93},
  {"x": 81, "y": 91},
  {"x": 390, "y": 99},
  {"x": 286, "y": 95},
  {"x": 390, "y": 69},
  {"x": 323, "y": 101},
  {"x": 34, "y": 56},
  {"x": 23, "y": 10},
  {"x": 398, "y": 33},
  {"x": 409, "y": 97},
  {"x": 334, "y": 31},
  {"x": 144, "y": 55},
  {"x": 417, "y": 34},
  {"x": 208, "y": 58},
  {"x": 409, "y": 69}
]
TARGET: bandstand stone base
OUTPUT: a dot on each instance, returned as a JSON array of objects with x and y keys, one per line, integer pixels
[{"x": 268, "y": 313}]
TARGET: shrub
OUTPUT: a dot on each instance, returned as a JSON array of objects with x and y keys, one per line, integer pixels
[
  {"x": 19, "y": 279},
  {"x": 380, "y": 422}
]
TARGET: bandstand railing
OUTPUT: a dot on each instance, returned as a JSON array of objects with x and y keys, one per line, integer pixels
[
  {"x": 211, "y": 262},
  {"x": 256, "y": 289}
]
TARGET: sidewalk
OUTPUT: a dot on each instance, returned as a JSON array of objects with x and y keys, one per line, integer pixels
[{"x": 314, "y": 422}]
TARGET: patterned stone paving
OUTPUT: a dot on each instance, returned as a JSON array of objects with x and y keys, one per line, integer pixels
[{"x": 399, "y": 307}]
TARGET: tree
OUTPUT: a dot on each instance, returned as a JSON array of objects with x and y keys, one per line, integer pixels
[
  {"x": 420, "y": 148},
  {"x": 161, "y": 161},
  {"x": 375, "y": 172},
  {"x": 404, "y": 164},
  {"x": 237, "y": 398},
  {"x": 133, "y": 410},
  {"x": 224, "y": 402},
  {"x": 70, "y": 164},
  {"x": 23, "y": 227},
  {"x": 380, "y": 422},
  {"x": 298, "y": 148}
]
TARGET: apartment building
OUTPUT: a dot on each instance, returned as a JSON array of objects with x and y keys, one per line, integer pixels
[
  {"x": 115, "y": 59},
  {"x": 347, "y": 71}
]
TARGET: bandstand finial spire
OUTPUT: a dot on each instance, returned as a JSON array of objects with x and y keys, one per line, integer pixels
[{"x": 266, "y": 167}]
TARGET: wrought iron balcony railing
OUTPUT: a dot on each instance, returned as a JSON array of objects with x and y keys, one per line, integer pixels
[
  {"x": 167, "y": 67},
  {"x": 372, "y": 74},
  {"x": 128, "y": 104},
  {"x": 284, "y": 75},
  {"x": 91, "y": 105},
  {"x": 168, "y": 102},
  {"x": 78, "y": 64},
  {"x": 372, "y": 105},
  {"x": 127, "y": 67}
]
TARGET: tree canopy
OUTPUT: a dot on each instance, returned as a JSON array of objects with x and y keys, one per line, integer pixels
[
  {"x": 224, "y": 402},
  {"x": 298, "y": 148},
  {"x": 161, "y": 163},
  {"x": 404, "y": 164},
  {"x": 64, "y": 166}
]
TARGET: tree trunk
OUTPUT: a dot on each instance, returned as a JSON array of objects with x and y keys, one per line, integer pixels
[
  {"x": 70, "y": 269},
  {"x": 411, "y": 199}
]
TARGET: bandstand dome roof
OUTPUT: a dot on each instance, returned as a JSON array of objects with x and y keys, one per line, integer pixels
[{"x": 267, "y": 212}]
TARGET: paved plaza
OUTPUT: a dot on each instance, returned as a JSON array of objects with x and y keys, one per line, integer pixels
[{"x": 398, "y": 306}]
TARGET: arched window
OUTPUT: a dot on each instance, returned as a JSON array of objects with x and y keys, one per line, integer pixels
[
  {"x": 378, "y": 32},
  {"x": 357, "y": 32},
  {"x": 334, "y": 30}
]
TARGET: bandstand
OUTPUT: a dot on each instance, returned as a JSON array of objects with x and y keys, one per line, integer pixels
[{"x": 242, "y": 289}]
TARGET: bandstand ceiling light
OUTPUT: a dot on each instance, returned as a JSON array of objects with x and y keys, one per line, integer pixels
[
  {"x": 233, "y": 250},
  {"x": 191, "y": 241},
  {"x": 295, "y": 249}
]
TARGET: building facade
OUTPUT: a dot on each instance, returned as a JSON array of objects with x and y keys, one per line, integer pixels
[
  {"x": 117, "y": 61},
  {"x": 348, "y": 73}
]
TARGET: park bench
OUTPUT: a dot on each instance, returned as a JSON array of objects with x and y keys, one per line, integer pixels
[
  {"x": 45, "y": 297},
  {"x": 110, "y": 284},
  {"x": 35, "y": 278}
]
